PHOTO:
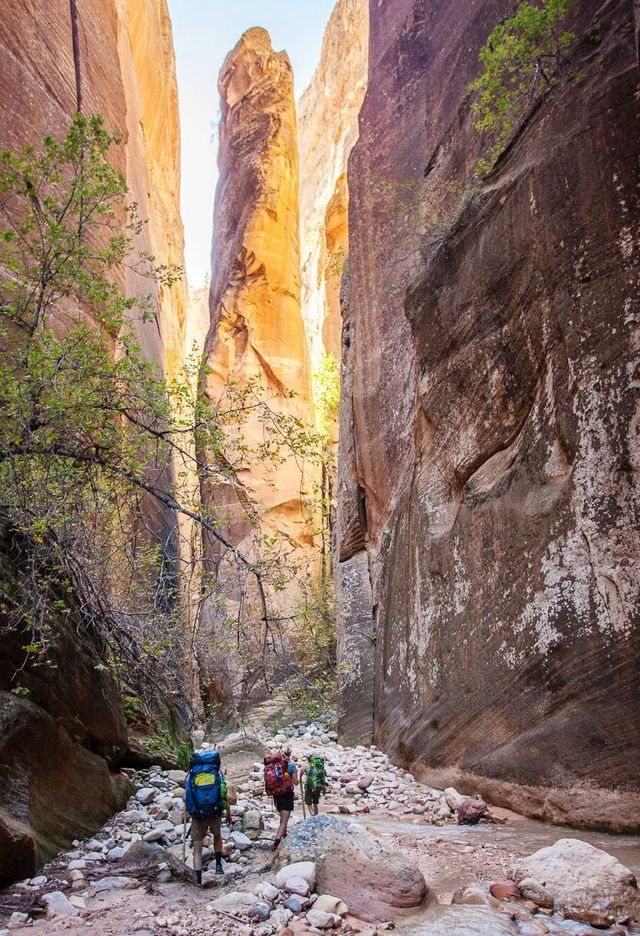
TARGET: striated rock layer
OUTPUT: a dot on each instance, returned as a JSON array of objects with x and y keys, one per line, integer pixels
[
  {"x": 328, "y": 122},
  {"x": 489, "y": 450}
]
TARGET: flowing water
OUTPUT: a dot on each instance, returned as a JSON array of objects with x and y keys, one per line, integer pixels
[{"x": 520, "y": 837}]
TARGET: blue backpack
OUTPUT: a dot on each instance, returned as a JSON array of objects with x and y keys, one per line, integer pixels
[{"x": 205, "y": 786}]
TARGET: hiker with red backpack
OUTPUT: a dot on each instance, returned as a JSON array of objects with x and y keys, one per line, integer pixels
[
  {"x": 280, "y": 778},
  {"x": 207, "y": 799}
]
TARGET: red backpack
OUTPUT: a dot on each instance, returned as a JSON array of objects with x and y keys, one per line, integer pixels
[{"x": 277, "y": 779}]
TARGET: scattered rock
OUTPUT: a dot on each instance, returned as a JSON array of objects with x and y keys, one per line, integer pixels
[
  {"x": 300, "y": 869},
  {"x": 234, "y": 901},
  {"x": 115, "y": 882},
  {"x": 322, "y": 920},
  {"x": 177, "y": 776},
  {"x": 330, "y": 904},
  {"x": 504, "y": 890},
  {"x": 297, "y": 885},
  {"x": 582, "y": 877},
  {"x": 267, "y": 891},
  {"x": 533, "y": 890},
  {"x": 57, "y": 904},
  {"x": 259, "y": 913},
  {"x": 146, "y": 795}
]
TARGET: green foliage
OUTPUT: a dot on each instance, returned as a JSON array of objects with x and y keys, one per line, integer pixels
[
  {"x": 326, "y": 392},
  {"x": 133, "y": 708},
  {"x": 310, "y": 686},
  {"x": 97, "y": 446},
  {"x": 522, "y": 59}
]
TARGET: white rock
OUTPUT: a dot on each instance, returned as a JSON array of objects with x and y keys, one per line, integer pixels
[
  {"x": 38, "y": 881},
  {"x": 146, "y": 795},
  {"x": 154, "y": 835},
  {"x": 329, "y": 904},
  {"x": 58, "y": 905},
  {"x": 177, "y": 776},
  {"x": 453, "y": 798},
  {"x": 116, "y": 882},
  {"x": 234, "y": 901},
  {"x": 77, "y": 864},
  {"x": 578, "y": 875},
  {"x": 267, "y": 891},
  {"x": 297, "y": 885},
  {"x": 300, "y": 869},
  {"x": 241, "y": 841},
  {"x": 114, "y": 854},
  {"x": 322, "y": 920},
  {"x": 17, "y": 919},
  {"x": 78, "y": 902},
  {"x": 280, "y": 917}
]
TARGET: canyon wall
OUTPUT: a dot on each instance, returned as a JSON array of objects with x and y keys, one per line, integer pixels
[
  {"x": 123, "y": 69},
  {"x": 257, "y": 336},
  {"x": 488, "y": 480},
  {"x": 328, "y": 121}
]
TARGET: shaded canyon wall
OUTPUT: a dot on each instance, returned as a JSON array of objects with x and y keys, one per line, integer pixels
[
  {"x": 489, "y": 447},
  {"x": 73, "y": 721}
]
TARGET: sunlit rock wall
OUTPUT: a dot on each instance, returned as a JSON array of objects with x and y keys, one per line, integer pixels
[
  {"x": 328, "y": 120},
  {"x": 257, "y": 335},
  {"x": 489, "y": 454}
]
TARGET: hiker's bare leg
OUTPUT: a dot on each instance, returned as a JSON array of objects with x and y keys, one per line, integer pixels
[
  {"x": 284, "y": 819},
  {"x": 197, "y": 855},
  {"x": 313, "y": 809},
  {"x": 216, "y": 828}
]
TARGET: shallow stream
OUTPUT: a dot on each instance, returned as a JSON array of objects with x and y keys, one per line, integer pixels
[{"x": 519, "y": 836}]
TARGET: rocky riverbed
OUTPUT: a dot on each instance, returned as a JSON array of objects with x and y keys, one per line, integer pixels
[{"x": 386, "y": 852}]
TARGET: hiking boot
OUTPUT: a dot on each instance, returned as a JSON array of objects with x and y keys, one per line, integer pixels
[
  {"x": 198, "y": 878},
  {"x": 274, "y": 847},
  {"x": 219, "y": 868}
]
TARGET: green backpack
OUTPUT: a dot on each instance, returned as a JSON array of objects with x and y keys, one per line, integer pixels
[{"x": 316, "y": 775}]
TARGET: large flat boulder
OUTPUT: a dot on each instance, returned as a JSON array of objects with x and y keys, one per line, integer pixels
[
  {"x": 374, "y": 882},
  {"x": 579, "y": 876}
]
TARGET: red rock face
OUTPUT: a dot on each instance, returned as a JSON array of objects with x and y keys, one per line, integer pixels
[{"x": 494, "y": 418}]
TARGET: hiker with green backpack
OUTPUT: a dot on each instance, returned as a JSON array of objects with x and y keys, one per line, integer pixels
[{"x": 315, "y": 781}]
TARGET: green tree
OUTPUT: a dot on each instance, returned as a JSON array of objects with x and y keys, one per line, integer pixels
[
  {"x": 522, "y": 59},
  {"x": 92, "y": 434}
]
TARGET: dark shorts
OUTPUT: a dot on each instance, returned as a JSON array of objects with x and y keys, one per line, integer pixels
[
  {"x": 311, "y": 797},
  {"x": 284, "y": 802}
]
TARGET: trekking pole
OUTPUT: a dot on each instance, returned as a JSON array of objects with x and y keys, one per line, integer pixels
[
  {"x": 184, "y": 834},
  {"x": 304, "y": 811}
]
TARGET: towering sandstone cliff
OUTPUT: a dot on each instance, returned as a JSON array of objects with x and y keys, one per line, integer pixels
[
  {"x": 488, "y": 516},
  {"x": 123, "y": 69},
  {"x": 257, "y": 334},
  {"x": 328, "y": 119}
]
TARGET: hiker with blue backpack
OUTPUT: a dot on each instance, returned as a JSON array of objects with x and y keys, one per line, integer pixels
[
  {"x": 207, "y": 800},
  {"x": 314, "y": 777}
]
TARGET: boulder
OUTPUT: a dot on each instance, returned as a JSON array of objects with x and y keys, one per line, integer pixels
[
  {"x": 266, "y": 891},
  {"x": 533, "y": 890},
  {"x": 322, "y": 920},
  {"x": 375, "y": 882},
  {"x": 297, "y": 885},
  {"x": 504, "y": 890},
  {"x": 330, "y": 904},
  {"x": 57, "y": 904},
  {"x": 259, "y": 913},
  {"x": 579, "y": 876},
  {"x": 300, "y": 869},
  {"x": 177, "y": 776},
  {"x": 115, "y": 882},
  {"x": 234, "y": 901}
]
